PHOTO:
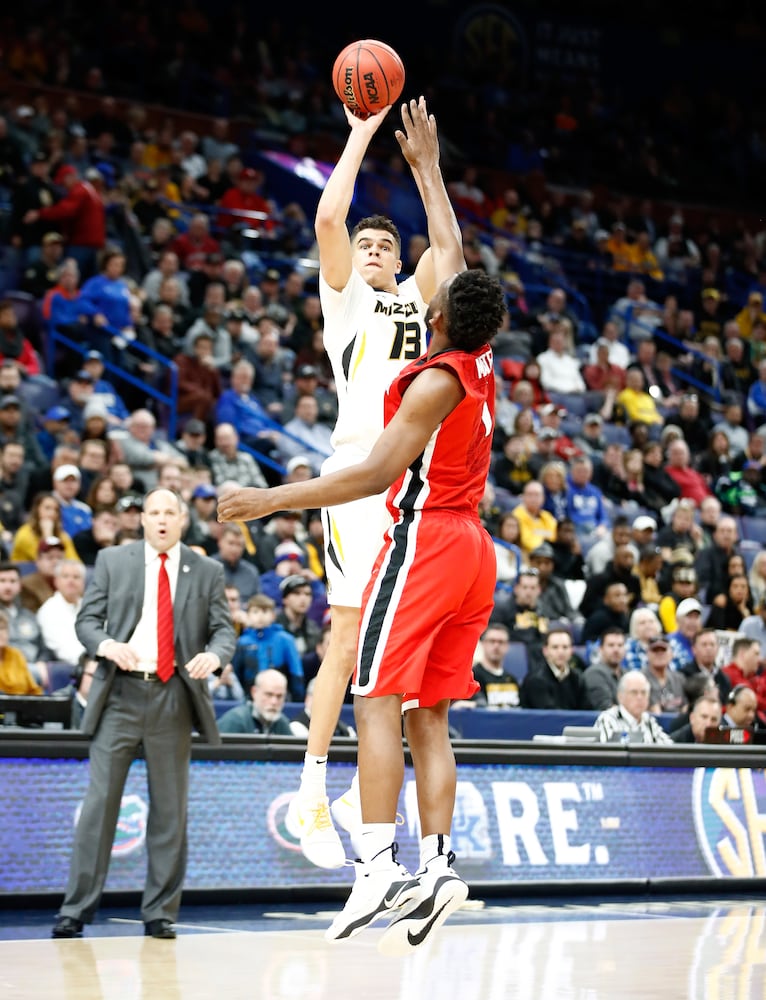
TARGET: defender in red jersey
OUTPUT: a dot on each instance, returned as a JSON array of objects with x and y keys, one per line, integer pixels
[{"x": 423, "y": 609}]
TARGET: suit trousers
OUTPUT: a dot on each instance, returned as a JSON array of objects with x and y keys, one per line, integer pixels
[{"x": 156, "y": 718}]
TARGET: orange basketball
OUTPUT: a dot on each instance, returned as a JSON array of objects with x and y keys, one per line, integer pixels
[{"x": 367, "y": 76}]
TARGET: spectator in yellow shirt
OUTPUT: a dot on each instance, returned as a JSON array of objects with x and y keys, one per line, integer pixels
[
  {"x": 643, "y": 258},
  {"x": 535, "y": 524},
  {"x": 636, "y": 402},
  {"x": 15, "y": 677},
  {"x": 751, "y": 314}
]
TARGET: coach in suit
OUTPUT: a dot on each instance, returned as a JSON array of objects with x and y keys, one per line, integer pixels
[{"x": 130, "y": 706}]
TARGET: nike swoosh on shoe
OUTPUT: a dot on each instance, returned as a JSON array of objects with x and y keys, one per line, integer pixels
[{"x": 422, "y": 934}]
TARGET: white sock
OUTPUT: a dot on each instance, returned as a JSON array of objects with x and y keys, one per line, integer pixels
[
  {"x": 374, "y": 839},
  {"x": 314, "y": 775},
  {"x": 432, "y": 846}
]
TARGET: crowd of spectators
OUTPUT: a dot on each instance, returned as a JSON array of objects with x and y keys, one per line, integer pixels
[{"x": 628, "y": 452}]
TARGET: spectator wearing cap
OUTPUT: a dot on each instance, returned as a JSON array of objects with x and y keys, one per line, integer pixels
[
  {"x": 14, "y": 346},
  {"x": 55, "y": 426},
  {"x": 271, "y": 286},
  {"x": 37, "y": 586},
  {"x": 80, "y": 215},
  {"x": 688, "y": 624},
  {"x": 290, "y": 560},
  {"x": 243, "y": 336},
  {"x": 76, "y": 516},
  {"x": 551, "y": 416},
  {"x": 297, "y": 598},
  {"x": 307, "y": 382},
  {"x": 683, "y": 586},
  {"x": 13, "y": 428},
  {"x": 79, "y": 392},
  {"x": 202, "y": 529},
  {"x": 750, "y": 314},
  {"x": 244, "y": 207},
  {"x": 191, "y": 444},
  {"x": 743, "y": 493},
  {"x": 527, "y": 458},
  {"x": 591, "y": 440},
  {"x": 238, "y": 571},
  {"x": 298, "y": 469},
  {"x": 128, "y": 509},
  {"x": 559, "y": 370},
  {"x": 193, "y": 246},
  {"x": 103, "y": 389},
  {"x": 41, "y": 273}
]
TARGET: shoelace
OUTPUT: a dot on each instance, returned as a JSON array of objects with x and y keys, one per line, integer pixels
[{"x": 321, "y": 818}]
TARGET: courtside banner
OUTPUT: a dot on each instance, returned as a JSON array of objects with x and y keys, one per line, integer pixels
[{"x": 513, "y": 823}]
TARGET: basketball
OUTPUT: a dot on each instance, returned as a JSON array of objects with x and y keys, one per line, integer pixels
[{"x": 367, "y": 76}]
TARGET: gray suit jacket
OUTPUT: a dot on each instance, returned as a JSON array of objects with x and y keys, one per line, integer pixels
[{"x": 111, "y": 609}]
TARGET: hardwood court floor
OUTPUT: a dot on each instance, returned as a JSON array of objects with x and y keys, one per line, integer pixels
[{"x": 649, "y": 950}]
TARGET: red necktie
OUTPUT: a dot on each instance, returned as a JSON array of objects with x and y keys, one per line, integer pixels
[{"x": 165, "y": 654}]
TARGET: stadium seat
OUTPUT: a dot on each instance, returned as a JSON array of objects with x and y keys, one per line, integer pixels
[
  {"x": 753, "y": 528},
  {"x": 575, "y": 404},
  {"x": 515, "y": 661},
  {"x": 616, "y": 434}
]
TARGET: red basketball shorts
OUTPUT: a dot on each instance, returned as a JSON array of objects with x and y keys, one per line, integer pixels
[{"x": 428, "y": 600}]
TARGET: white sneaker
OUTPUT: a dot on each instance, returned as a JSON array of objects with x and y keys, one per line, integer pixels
[
  {"x": 378, "y": 889},
  {"x": 440, "y": 892},
  {"x": 308, "y": 820}
]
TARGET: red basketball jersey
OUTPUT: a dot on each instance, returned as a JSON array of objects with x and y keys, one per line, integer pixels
[{"x": 451, "y": 473}]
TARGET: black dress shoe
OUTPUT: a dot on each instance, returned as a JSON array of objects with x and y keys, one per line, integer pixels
[
  {"x": 67, "y": 927},
  {"x": 162, "y": 929}
]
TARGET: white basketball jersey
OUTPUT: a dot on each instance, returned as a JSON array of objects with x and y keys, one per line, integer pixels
[{"x": 369, "y": 337}]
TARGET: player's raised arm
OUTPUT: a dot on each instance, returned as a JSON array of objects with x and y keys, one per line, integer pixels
[
  {"x": 335, "y": 201},
  {"x": 419, "y": 142}
]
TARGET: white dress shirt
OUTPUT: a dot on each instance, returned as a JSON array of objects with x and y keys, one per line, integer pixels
[{"x": 144, "y": 639}]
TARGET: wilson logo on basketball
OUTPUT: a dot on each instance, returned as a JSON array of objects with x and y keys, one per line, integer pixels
[{"x": 348, "y": 88}]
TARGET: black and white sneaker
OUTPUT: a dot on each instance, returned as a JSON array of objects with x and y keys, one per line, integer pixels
[
  {"x": 380, "y": 887},
  {"x": 440, "y": 892}
]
